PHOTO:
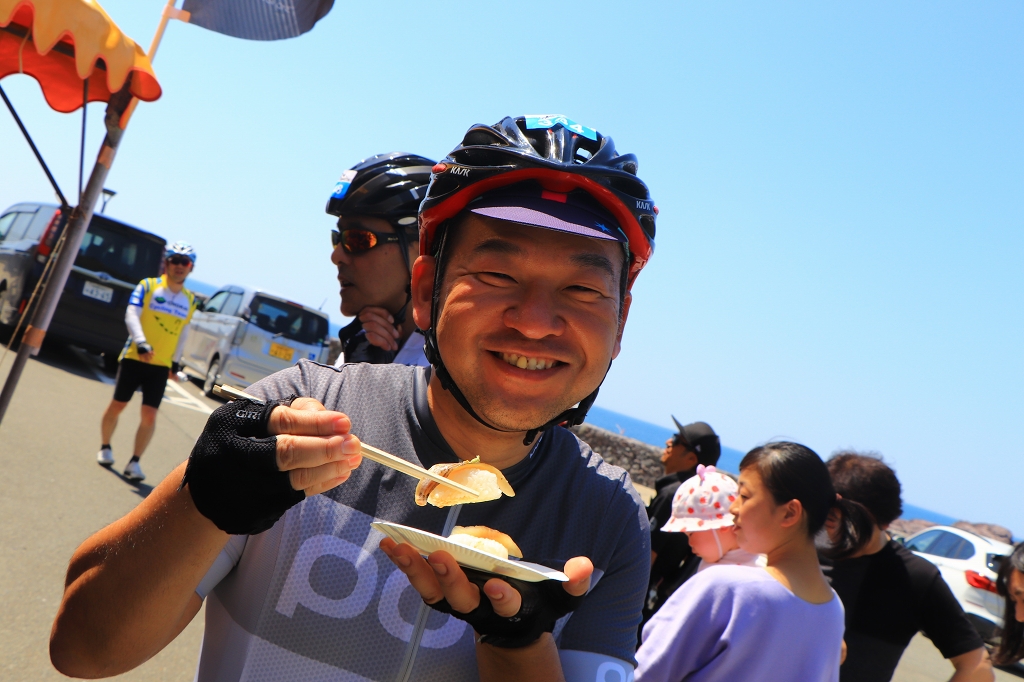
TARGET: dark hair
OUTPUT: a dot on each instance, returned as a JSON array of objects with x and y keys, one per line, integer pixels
[
  {"x": 870, "y": 495},
  {"x": 1011, "y": 643},
  {"x": 866, "y": 479},
  {"x": 791, "y": 471}
]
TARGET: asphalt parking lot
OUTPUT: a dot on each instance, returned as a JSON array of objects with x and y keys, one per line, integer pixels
[{"x": 53, "y": 495}]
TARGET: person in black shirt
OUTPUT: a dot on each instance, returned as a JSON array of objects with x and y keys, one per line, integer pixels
[
  {"x": 1010, "y": 585},
  {"x": 889, "y": 593},
  {"x": 672, "y": 561}
]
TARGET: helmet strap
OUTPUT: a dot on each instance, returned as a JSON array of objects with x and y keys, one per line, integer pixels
[
  {"x": 403, "y": 246},
  {"x": 570, "y": 417}
]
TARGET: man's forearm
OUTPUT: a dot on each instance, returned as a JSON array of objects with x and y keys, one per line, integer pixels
[
  {"x": 131, "y": 585},
  {"x": 538, "y": 662}
]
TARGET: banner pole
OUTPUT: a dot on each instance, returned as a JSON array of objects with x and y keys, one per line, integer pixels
[{"x": 170, "y": 12}]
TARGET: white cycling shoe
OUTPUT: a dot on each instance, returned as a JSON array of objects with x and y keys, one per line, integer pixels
[
  {"x": 133, "y": 472},
  {"x": 105, "y": 457}
]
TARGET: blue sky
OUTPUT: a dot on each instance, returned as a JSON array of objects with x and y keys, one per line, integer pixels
[{"x": 840, "y": 244}]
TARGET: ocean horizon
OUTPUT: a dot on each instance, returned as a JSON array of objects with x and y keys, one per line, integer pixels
[{"x": 652, "y": 434}]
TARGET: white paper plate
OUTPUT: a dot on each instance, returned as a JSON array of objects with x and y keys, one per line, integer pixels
[{"x": 425, "y": 543}]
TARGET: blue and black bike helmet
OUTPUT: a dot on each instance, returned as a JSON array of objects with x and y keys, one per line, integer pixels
[
  {"x": 388, "y": 186},
  {"x": 562, "y": 156}
]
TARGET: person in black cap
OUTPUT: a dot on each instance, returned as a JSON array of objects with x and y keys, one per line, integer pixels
[{"x": 672, "y": 561}]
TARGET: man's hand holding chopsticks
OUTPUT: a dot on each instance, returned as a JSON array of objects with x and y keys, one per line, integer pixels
[
  {"x": 314, "y": 445},
  {"x": 254, "y": 461}
]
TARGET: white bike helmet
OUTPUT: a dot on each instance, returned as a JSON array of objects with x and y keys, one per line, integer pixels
[{"x": 180, "y": 249}]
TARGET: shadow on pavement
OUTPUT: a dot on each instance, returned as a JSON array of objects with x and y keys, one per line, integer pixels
[
  {"x": 61, "y": 356},
  {"x": 139, "y": 488}
]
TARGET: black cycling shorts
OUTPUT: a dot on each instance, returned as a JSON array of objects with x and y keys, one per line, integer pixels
[{"x": 131, "y": 374}]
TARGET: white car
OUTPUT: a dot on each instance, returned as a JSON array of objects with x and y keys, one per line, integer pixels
[
  {"x": 242, "y": 335},
  {"x": 969, "y": 564}
]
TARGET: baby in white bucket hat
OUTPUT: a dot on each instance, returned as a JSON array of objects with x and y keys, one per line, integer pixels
[{"x": 700, "y": 508}]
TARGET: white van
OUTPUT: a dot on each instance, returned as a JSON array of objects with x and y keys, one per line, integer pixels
[{"x": 243, "y": 335}]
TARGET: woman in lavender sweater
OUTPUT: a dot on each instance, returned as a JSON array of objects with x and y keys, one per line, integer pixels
[{"x": 782, "y": 622}]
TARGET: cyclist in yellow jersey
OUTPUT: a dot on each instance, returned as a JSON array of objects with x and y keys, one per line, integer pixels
[{"x": 158, "y": 311}]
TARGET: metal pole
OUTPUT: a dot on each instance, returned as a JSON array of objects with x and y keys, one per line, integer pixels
[
  {"x": 79, "y": 223},
  {"x": 35, "y": 150},
  {"x": 81, "y": 147},
  {"x": 119, "y": 111}
]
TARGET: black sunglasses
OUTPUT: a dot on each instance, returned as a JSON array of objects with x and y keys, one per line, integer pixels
[
  {"x": 179, "y": 260},
  {"x": 360, "y": 240}
]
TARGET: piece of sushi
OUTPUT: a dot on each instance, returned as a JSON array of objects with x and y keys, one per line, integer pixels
[
  {"x": 487, "y": 540},
  {"x": 484, "y": 478}
]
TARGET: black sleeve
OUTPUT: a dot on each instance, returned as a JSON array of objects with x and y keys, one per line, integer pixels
[
  {"x": 944, "y": 622},
  {"x": 659, "y": 512}
]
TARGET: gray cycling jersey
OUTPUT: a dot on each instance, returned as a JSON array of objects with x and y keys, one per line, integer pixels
[{"x": 314, "y": 598}]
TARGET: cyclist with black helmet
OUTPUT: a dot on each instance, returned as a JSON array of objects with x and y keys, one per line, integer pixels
[
  {"x": 376, "y": 241},
  {"x": 531, "y": 234}
]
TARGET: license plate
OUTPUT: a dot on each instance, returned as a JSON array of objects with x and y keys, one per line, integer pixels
[
  {"x": 283, "y": 352},
  {"x": 100, "y": 293}
]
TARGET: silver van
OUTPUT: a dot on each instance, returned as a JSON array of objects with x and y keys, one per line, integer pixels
[{"x": 243, "y": 335}]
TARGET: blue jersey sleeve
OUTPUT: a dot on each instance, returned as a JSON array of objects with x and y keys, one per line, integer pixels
[{"x": 138, "y": 296}]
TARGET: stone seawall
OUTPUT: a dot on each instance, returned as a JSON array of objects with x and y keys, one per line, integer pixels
[{"x": 642, "y": 461}]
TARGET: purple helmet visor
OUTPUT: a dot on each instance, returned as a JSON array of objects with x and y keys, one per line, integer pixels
[{"x": 528, "y": 203}]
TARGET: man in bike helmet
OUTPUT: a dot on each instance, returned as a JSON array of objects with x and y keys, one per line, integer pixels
[
  {"x": 374, "y": 245},
  {"x": 159, "y": 310},
  {"x": 531, "y": 233}
]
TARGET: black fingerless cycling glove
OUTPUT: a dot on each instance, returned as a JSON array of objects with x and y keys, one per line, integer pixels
[
  {"x": 232, "y": 472},
  {"x": 543, "y": 604}
]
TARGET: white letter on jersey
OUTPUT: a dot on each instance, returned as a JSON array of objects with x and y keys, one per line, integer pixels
[
  {"x": 391, "y": 617},
  {"x": 297, "y": 589}
]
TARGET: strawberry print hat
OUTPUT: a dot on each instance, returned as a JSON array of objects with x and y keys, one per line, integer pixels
[{"x": 702, "y": 502}]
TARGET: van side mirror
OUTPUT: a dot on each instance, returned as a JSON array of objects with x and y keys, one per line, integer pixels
[
  {"x": 245, "y": 313},
  {"x": 200, "y": 304}
]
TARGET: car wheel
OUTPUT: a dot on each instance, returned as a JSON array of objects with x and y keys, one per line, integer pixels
[{"x": 212, "y": 378}]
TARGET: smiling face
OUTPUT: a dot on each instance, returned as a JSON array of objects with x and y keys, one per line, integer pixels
[
  {"x": 530, "y": 320},
  {"x": 377, "y": 277},
  {"x": 761, "y": 524}
]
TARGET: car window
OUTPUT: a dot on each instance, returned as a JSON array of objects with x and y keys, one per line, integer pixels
[
  {"x": 38, "y": 226},
  {"x": 964, "y": 551},
  {"x": 924, "y": 541},
  {"x": 17, "y": 229},
  {"x": 216, "y": 302},
  {"x": 5, "y": 223},
  {"x": 125, "y": 255},
  {"x": 233, "y": 304},
  {"x": 945, "y": 545},
  {"x": 288, "y": 320}
]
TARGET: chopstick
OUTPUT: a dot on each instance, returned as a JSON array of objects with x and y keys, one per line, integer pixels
[{"x": 368, "y": 451}]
